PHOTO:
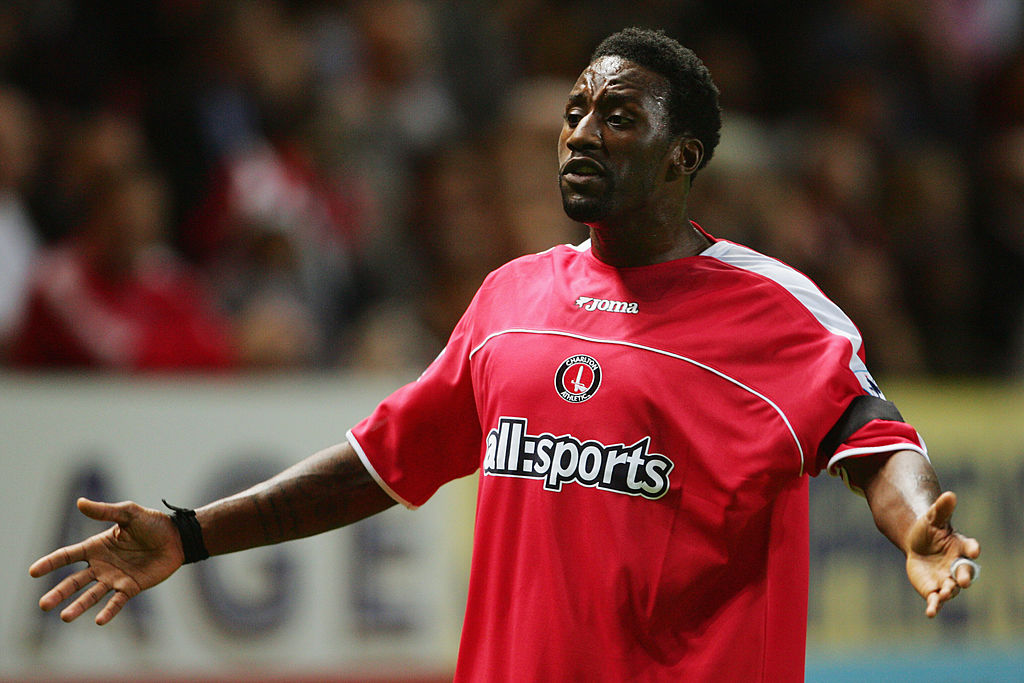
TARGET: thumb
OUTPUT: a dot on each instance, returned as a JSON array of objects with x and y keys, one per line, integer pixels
[
  {"x": 105, "y": 512},
  {"x": 941, "y": 510}
]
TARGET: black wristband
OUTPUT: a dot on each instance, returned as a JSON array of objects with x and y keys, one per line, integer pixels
[{"x": 190, "y": 532}]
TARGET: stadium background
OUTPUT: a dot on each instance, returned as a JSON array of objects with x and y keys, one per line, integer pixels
[{"x": 327, "y": 183}]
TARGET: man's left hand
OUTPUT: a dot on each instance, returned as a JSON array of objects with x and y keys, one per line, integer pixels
[{"x": 932, "y": 548}]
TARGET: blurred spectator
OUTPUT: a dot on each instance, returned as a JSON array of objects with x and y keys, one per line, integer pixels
[
  {"x": 844, "y": 174},
  {"x": 462, "y": 228},
  {"x": 1004, "y": 164},
  {"x": 326, "y": 156},
  {"x": 297, "y": 228},
  {"x": 112, "y": 297},
  {"x": 17, "y": 233},
  {"x": 996, "y": 169},
  {"x": 926, "y": 212},
  {"x": 85, "y": 148},
  {"x": 378, "y": 115},
  {"x": 273, "y": 237},
  {"x": 969, "y": 36},
  {"x": 526, "y": 170}
]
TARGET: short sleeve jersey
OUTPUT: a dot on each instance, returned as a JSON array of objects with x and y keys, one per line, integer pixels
[{"x": 645, "y": 437}]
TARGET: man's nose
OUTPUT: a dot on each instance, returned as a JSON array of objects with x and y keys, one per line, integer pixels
[{"x": 586, "y": 134}]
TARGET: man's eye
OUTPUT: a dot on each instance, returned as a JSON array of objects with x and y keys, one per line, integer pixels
[
  {"x": 618, "y": 120},
  {"x": 572, "y": 118}
]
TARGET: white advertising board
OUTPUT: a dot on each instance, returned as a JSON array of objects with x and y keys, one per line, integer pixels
[{"x": 383, "y": 596}]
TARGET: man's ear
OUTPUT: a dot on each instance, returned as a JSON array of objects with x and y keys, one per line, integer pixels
[
  {"x": 691, "y": 154},
  {"x": 686, "y": 157}
]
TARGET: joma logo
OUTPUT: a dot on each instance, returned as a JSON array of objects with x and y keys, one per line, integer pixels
[{"x": 589, "y": 303}]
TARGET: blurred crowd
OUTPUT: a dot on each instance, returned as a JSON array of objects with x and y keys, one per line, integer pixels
[{"x": 272, "y": 184}]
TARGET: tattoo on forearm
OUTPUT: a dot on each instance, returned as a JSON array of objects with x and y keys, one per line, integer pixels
[
  {"x": 274, "y": 517},
  {"x": 261, "y": 516},
  {"x": 313, "y": 501},
  {"x": 311, "y": 498},
  {"x": 290, "y": 494}
]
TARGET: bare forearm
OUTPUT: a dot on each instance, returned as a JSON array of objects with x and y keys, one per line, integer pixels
[
  {"x": 899, "y": 488},
  {"x": 325, "y": 491}
]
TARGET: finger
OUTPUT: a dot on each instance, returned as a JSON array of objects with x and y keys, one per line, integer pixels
[
  {"x": 965, "y": 571},
  {"x": 121, "y": 513},
  {"x": 941, "y": 510},
  {"x": 964, "y": 576},
  {"x": 117, "y": 601},
  {"x": 57, "y": 559},
  {"x": 948, "y": 590},
  {"x": 118, "y": 513},
  {"x": 86, "y": 600},
  {"x": 971, "y": 548},
  {"x": 65, "y": 589}
]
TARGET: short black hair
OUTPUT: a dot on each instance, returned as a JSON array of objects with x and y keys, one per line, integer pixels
[{"x": 693, "y": 100}]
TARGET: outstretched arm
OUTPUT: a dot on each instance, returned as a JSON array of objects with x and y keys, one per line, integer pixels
[
  {"x": 911, "y": 510},
  {"x": 325, "y": 491}
]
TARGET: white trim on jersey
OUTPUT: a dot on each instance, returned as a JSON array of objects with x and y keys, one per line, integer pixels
[
  {"x": 617, "y": 342},
  {"x": 827, "y": 313},
  {"x": 870, "y": 450},
  {"x": 373, "y": 472},
  {"x": 835, "y": 465}
]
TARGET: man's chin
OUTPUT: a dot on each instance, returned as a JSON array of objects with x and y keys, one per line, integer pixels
[{"x": 584, "y": 209}]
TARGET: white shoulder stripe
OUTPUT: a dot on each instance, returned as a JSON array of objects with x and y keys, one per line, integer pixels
[{"x": 827, "y": 313}]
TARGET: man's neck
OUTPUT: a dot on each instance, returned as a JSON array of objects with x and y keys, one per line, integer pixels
[{"x": 637, "y": 245}]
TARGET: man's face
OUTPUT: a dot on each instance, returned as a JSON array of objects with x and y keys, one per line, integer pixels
[{"x": 613, "y": 150}]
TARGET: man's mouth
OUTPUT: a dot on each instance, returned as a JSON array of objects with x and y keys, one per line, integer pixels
[{"x": 581, "y": 169}]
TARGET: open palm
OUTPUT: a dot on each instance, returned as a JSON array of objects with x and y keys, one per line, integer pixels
[{"x": 142, "y": 549}]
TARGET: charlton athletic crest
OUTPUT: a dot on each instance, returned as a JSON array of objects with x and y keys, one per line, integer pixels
[{"x": 578, "y": 378}]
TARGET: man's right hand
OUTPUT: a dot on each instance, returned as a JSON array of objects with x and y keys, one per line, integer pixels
[{"x": 142, "y": 549}]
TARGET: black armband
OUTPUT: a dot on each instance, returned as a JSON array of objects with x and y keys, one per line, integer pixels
[
  {"x": 190, "y": 532},
  {"x": 862, "y": 410}
]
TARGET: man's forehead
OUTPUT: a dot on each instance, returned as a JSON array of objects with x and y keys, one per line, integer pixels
[{"x": 617, "y": 74}]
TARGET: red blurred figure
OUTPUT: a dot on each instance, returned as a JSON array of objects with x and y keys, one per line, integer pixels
[{"x": 113, "y": 297}]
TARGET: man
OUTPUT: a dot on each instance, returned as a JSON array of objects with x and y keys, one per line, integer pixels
[{"x": 645, "y": 408}]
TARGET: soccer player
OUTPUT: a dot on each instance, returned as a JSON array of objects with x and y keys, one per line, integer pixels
[{"x": 645, "y": 408}]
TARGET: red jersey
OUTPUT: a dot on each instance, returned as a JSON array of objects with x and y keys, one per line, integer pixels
[
  {"x": 645, "y": 436},
  {"x": 157, "y": 318}
]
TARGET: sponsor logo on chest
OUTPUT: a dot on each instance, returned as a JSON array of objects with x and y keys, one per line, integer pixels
[
  {"x": 589, "y": 303},
  {"x": 558, "y": 460}
]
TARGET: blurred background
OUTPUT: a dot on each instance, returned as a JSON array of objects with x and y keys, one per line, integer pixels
[{"x": 286, "y": 205}]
